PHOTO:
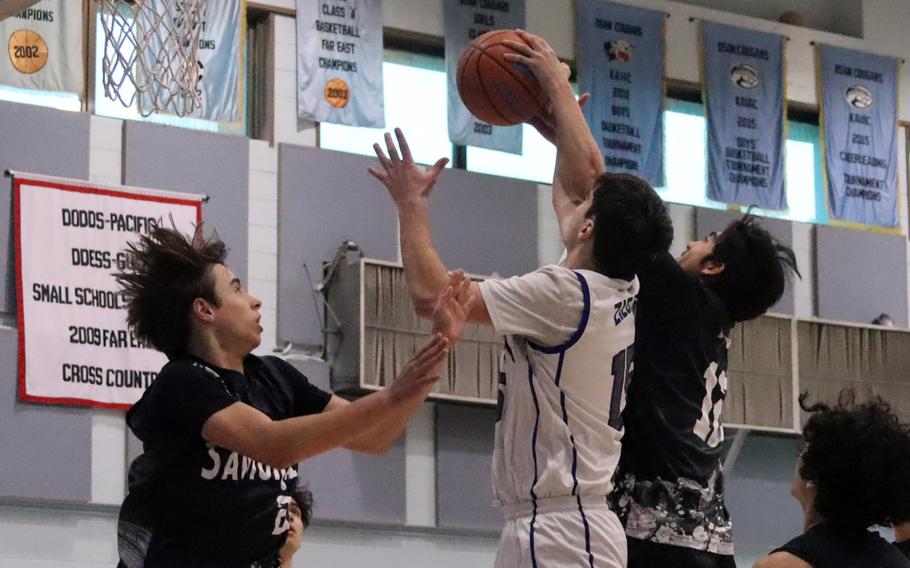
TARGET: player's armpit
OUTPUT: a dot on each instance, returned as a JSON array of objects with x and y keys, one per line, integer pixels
[{"x": 782, "y": 560}]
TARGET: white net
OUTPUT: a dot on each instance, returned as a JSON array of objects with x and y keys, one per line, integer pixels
[{"x": 150, "y": 54}]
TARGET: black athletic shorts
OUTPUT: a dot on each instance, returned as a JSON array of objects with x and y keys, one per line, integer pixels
[{"x": 646, "y": 554}]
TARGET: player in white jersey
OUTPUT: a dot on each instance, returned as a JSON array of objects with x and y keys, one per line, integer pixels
[{"x": 568, "y": 333}]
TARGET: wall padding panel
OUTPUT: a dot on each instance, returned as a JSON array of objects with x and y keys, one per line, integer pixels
[
  {"x": 353, "y": 487},
  {"x": 324, "y": 198},
  {"x": 464, "y": 461},
  {"x": 41, "y": 141},
  {"x": 708, "y": 220},
  {"x": 178, "y": 159},
  {"x": 861, "y": 274},
  {"x": 485, "y": 224},
  {"x": 757, "y": 489},
  {"x": 47, "y": 449}
]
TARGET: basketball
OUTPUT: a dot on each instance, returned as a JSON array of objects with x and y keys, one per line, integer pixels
[{"x": 495, "y": 90}]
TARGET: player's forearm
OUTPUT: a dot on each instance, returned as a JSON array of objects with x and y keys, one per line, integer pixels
[
  {"x": 578, "y": 158},
  {"x": 378, "y": 439},
  {"x": 290, "y": 441},
  {"x": 424, "y": 271}
]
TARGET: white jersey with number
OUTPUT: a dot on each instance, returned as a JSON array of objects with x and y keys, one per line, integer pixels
[{"x": 564, "y": 368}]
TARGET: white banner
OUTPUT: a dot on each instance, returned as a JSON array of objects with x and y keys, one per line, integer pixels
[
  {"x": 339, "y": 62},
  {"x": 74, "y": 344},
  {"x": 44, "y": 44},
  {"x": 220, "y": 59}
]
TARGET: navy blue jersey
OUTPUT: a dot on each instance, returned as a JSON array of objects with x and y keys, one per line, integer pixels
[
  {"x": 191, "y": 503},
  {"x": 904, "y": 547},
  {"x": 830, "y": 546},
  {"x": 669, "y": 485}
]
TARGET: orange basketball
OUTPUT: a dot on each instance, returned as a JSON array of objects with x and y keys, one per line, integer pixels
[{"x": 497, "y": 91}]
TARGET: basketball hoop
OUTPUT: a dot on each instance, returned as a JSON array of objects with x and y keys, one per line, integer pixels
[{"x": 150, "y": 54}]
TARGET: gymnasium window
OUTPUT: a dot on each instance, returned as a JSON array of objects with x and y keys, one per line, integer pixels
[
  {"x": 115, "y": 109},
  {"x": 52, "y": 99},
  {"x": 415, "y": 100},
  {"x": 685, "y": 163}
]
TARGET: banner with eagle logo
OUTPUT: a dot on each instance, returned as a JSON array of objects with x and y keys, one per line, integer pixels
[
  {"x": 859, "y": 114},
  {"x": 621, "y": 53},
  {"x": 339, "y": 62},
  {"x": 743, "y": 79}
]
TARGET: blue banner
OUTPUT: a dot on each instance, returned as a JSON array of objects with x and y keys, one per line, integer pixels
[
  {"x": 220, "y": 60},
  {"x": 859, "y": 112},
  {"x": 743, "y": 77},
  {"x": 465, "y": 20},
  {"x": 339, "y": 62},
  {"x": 621, "y": 63}
]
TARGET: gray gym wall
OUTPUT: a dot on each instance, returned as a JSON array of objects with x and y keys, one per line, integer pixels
[{"x": 47, "y": 449}]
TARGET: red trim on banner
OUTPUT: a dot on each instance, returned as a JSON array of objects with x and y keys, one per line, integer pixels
[
  {"x": 109, "y": 192},
  {"x": 20, "y": 319},
  {"x": 76, "y": 402}
]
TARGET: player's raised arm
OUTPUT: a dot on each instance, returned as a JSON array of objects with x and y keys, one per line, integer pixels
[
  {"x": 578, "y": 158},
  {"x": 410, "y": 186}
]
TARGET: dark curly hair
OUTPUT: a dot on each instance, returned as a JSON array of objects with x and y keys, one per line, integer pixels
[
  {"x": 631, "y": 224},
  {"x": 858, "y": 457},
  {"x": 304, "y": 499},
  {"x": 755, "y": 268},
  {"x": 162, "y": 274}
]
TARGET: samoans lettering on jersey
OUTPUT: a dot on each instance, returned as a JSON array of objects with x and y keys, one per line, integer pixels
[
  {"x": 195, "y": 504},
  {"x": 238, "y": 467}
]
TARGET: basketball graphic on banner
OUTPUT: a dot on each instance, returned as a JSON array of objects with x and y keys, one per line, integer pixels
[
  {"x": 27, "y": 51},
  {"x": 337, "y": 93}
]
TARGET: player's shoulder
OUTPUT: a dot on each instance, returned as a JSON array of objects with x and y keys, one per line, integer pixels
[{"x": 782, "y": 559}]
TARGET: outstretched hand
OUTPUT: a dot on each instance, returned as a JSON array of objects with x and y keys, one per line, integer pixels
[
  {"x": 421, "y": 371},
  {"x": 552, "y": 74},
  {"x": 450, "y": 314},
  {"x": 406, "y": 181}
]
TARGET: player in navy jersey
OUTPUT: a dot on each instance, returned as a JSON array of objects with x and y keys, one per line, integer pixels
[
  {"x": 568, "y": 330},
  {"x": 223, "y": 430},
  {"x": 851, "y": 475},
  {"x": 669, "y": 484}
]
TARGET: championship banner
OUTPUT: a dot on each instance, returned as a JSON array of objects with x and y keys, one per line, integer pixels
[
  {"x": 339, "y": 62},
  {"x": 743, "y": 77},
  {"x": 74, "y": 344},
  {"x": 859, "y": 113},
  {"x": 621, "y": 63},
  {"x": 44, "y": 44},
  {"x": 465, "y": 20},
  {"x": 220, "y": 60}
]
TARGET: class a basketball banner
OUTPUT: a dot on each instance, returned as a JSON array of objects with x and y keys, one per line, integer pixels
[
  {"x": 621, "y": 63},
  {"x": 743, "y": 78},
  {"x": 74, "y": 344},
  {"x": 339, "y": 62},
  {"x": 859, "y": 115},
  {"x": 465, "y": 20},
  {"x": 44, "y": 47},
  {"x": 220, "y": 59}
]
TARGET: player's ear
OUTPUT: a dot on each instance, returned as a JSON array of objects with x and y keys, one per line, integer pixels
[
  {"x": 586, "y": 231},
  {"x": 711, "y": 267},
  {"x": 202, "y": 310}
]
